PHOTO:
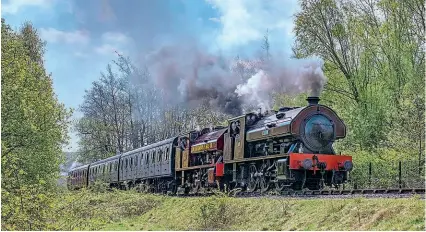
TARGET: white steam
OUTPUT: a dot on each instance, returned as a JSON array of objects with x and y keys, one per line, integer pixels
[{"x": 291, "y": 77}]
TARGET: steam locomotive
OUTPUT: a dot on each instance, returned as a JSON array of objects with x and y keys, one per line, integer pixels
[{"x": 286, "y": 149}]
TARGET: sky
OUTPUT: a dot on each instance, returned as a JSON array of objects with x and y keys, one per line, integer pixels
[{"x": 83, "y": 35}]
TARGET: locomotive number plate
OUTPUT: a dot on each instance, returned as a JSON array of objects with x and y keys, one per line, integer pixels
[{"x": 265, "y": 132}]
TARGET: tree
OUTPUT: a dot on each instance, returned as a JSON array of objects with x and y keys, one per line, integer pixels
[
  {"x": 374, "y": 60},
  {"x": 34, "y": 123}
]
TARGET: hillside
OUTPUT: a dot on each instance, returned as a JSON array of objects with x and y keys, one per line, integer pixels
[{"x": 120, "y": 210}]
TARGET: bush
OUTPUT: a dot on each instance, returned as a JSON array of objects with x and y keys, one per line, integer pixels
[{"x": 216, "y": 213}]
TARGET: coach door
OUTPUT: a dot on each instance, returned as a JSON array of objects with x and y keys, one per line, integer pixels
[
  {"x": 158, "y": 161},
  {"x": 152, "y": 163},
  {"x": 122, "y": 164},
  {"x": 166, "y": 160},
  {"x": 145, "y": 164},
  {"x": 138, "y": 165}
]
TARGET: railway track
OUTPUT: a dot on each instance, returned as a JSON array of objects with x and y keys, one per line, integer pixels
[{"x": 394, "y": 193}]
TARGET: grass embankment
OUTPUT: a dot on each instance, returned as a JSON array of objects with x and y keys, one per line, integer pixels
[{"x": 120, "y": 210}]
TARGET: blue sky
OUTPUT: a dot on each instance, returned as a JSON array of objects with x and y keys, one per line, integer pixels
[{"x": 82, "y": 35}]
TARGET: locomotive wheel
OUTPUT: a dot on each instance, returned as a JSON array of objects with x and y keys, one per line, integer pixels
[
  {"x": 195, "y": 188},
  {"x": 252, "y": 180},
  {"x": 264, "y": 183},
  {"x": 264, "y": 180},
  {"x": 172, "y": 188},
  {"x": 298, "y": 185},
  {"x": 280, "y": 185}
]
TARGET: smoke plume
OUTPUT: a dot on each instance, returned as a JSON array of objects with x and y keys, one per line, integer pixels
[
  {"x": 188, "y": 75},
  {"x": 289, "y": 77}
]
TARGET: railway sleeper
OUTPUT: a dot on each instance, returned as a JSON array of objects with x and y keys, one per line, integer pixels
[
  {"x": 419, "y": 190},
  {"x": 393, "y": 190},
  {"x": 368, "y": 191}
]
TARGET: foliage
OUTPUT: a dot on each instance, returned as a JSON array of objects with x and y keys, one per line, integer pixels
[
  {"x": 216, "y": 213},
  {"x": 34, "y": 128},
  {"x": 374, "y": 61}
]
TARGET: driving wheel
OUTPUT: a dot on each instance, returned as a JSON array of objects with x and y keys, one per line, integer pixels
[{"x": 252, "y": 179}]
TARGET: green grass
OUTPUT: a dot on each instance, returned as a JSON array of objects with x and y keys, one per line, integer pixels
[
  {"x": 129, "y": 210},
  {"x": 278, "y": 214}
]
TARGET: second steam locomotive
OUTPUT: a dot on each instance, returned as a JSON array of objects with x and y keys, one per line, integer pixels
[{"x": 286, "y": 149}]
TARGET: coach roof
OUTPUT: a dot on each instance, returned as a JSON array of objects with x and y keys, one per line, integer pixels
[
  {"x": 154, "y": 145},
  {"x": 79, "y": 168},
  {"x": 106, "y": 160}
]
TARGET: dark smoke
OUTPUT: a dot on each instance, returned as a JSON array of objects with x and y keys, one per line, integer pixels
[{"x": 188, "y": 75}]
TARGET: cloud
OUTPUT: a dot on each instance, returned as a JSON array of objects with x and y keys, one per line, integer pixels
[
  {"x": 115, "y": 37},
  {"x": 112, "y": 42},
  {"x": 244, "y": 21},
  {"x": 13, "y": 6},
  {"x": 107, "y": 49},
  {"x": 56, "y": 36}
]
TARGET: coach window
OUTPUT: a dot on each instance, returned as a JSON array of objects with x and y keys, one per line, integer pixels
[
  {"x": 136, "y": 160},
  {"x": 141, "y": 158},
  {"x": 153, "y": 157},
  {"x": 146, "y": 158},
  {"x": 160, "y": 154}
]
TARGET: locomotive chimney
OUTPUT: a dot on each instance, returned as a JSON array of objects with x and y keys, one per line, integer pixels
[{"x": 313, "y": 100}]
